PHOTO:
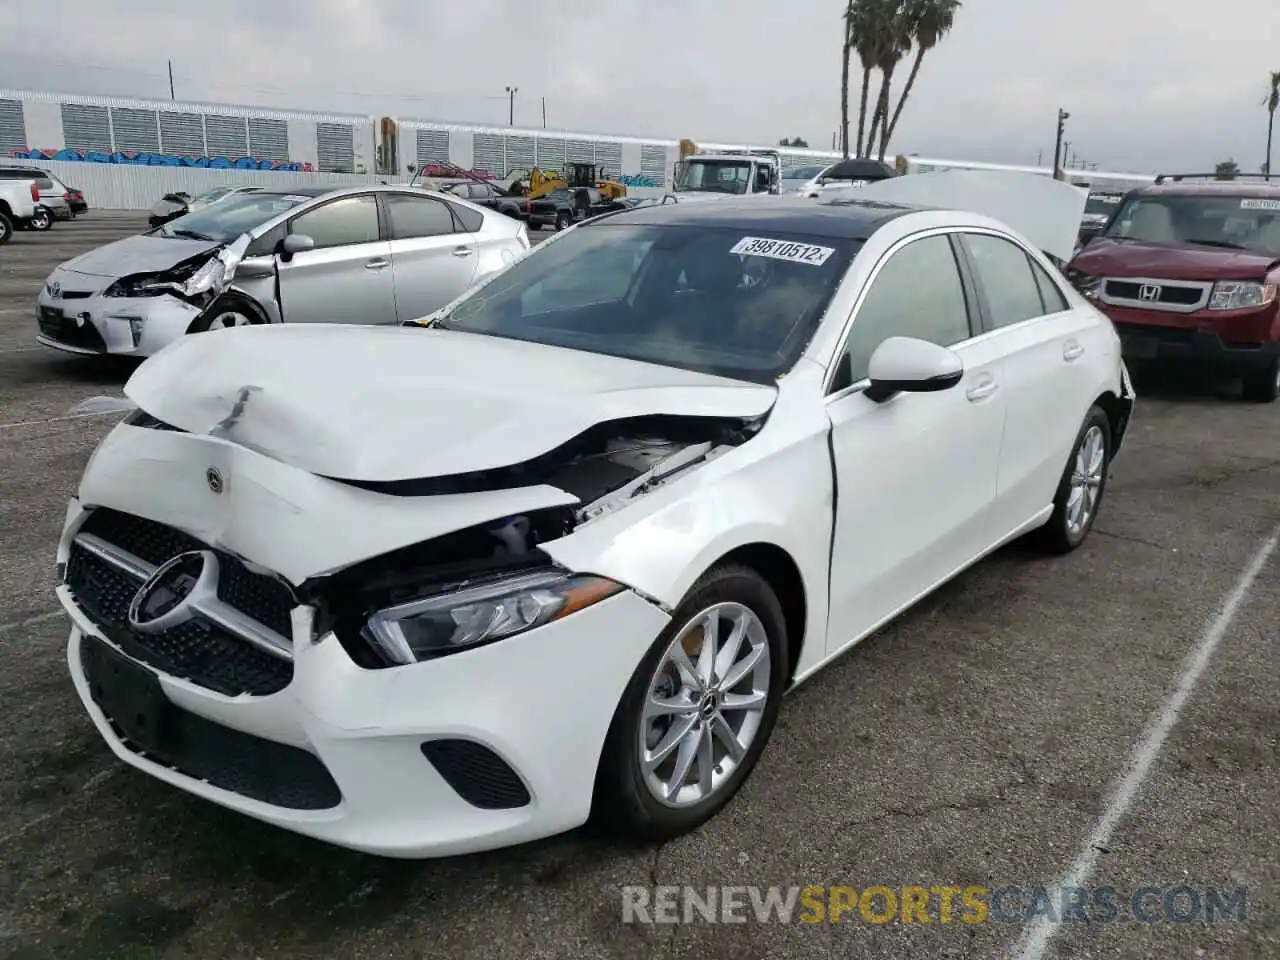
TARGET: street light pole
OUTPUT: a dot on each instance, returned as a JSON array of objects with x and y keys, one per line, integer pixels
[
  {"x": 511, "y": 96},
  {"x": 1063, "y": 117}
]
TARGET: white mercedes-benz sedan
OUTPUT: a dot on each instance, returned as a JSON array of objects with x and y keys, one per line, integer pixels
[{"x": 561, "y": 548}]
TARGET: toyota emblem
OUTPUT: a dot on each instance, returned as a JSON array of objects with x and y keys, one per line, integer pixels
[
  {"x": 214, "y": 479},
  {"x": 55, "y": 290}
]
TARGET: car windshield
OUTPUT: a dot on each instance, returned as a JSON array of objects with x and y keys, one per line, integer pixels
[
  {"x": 1104, "y": 203},
  {"x": 710, "y": 299},
  {"x": 213, "y": 195},
  {"x": 801, "y": 173},
  {"x": 225, "y": 221},
  {"x": 1235, "y": 223},
  {"x": 717, "y": 176}
]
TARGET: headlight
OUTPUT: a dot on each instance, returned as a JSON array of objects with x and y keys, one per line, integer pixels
[
  {"x": 206, "y": 278},
  {"x": 481, "y": 613},
  {"x": 1241, "y": 294},
  {"x": 1083, "y": 282}
]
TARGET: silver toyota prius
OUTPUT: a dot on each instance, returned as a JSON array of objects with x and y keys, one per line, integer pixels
[{"x": 367, "y": 255}]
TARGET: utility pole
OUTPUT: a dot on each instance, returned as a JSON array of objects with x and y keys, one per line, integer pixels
[
  {"x": 511, "y": 96},
  {"x": 171, "y": 94},
  {"x": 544, "y": 113},
  {"x": 1063, "y": 117}
]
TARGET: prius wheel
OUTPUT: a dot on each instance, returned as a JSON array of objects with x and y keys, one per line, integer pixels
[
  {"x": 42, "y": 220},
  {"x": 225, "y": 313},
  {"x": 1075, "y": 508},
  {"x": 698, "y": 711}
]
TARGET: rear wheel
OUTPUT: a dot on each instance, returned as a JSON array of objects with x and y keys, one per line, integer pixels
[
  {"x": 698, "y": 711},
  {"x": 563, "y": 220},
  {"x": 226, "y": 312},
  {"x": 1263, "y": 386},
  {"x": 1075, "y": 508},
  {"x": 42, "y": 220}
]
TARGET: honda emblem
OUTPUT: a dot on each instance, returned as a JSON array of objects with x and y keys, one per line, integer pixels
[{"x": 1149, "y": 292}]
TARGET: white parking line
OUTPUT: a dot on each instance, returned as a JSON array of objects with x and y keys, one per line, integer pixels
[{"x": 1037, "y": 934}]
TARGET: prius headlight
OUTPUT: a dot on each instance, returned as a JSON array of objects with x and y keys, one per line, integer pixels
[
  {"x": 206, "y": 278},
  {"x": 475, "y": 614}
]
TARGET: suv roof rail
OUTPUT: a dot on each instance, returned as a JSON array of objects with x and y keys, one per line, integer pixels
[{"x": 1177, "y": 177}]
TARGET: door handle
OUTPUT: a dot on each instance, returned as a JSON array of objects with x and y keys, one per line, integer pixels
[
  {"x": 1072, "y": 351},
  {"x": 462, "y": 251},
  {"x": 982, "y": 389},
  {"x": 376, "y": 264}
]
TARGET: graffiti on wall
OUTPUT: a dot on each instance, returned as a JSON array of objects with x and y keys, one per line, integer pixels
[
  {"x": 638, "y": 180},
  {"x": 143, "y": 159},
  {"x": 445, "y": 170}
]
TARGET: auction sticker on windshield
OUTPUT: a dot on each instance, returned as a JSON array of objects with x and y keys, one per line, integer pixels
[
  {"x": 789, "y": 250},
  {"x": 1260, "y": 204}
]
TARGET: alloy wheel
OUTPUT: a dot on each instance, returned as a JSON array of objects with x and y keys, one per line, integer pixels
[
  {"x": 228, "y": 319},
  {"x": 704, "y": 705},
  {"x": 1085, "y": 482}
]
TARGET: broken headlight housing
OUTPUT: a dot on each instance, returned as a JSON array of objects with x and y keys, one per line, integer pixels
[
  {"x": 185, "y": 283},
  {"x": 1086, "y": 284},
  {"x": 1241, "y": 295},
  {"x": 474, "y": 614}
]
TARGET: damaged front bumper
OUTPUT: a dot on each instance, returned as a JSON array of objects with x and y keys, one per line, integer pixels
[
  {"x": 484, "y": 747},
  {"x": 94, "y": 324}
]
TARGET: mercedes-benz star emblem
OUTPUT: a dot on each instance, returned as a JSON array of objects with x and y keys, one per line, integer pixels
[
  {"x": 214, "y": 479},
  {"x": 172, "y": 595}
]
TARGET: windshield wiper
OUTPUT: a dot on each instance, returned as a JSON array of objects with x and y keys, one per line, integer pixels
[
  {"x": 1226, "y": 244},
  {"x": 189, "y": 235}
]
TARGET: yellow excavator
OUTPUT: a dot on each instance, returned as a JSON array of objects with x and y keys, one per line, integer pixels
[{"x": 537, "y": 183}]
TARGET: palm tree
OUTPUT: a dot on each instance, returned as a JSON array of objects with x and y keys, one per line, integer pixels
[
  {"x": 1272, "y": 103},
  {"x": 930, "y": 21},
  {"x": 844, "y": 79},
  {"x": 893, "y": 44}
]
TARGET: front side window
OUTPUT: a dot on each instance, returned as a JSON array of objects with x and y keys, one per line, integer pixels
[
  {"x": 701, "y": 298},
  {"x": 340, "y": 223},
  {"x": 1004, "y": 273},
  {"x": 916, "y": 293}
]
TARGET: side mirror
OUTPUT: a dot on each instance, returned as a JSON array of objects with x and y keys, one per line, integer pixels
[
  {"x": 294, "y": 243},
  {"x": 908, "y": 365}
]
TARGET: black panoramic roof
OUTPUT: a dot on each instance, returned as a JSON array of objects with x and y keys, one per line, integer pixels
[{"x": 842, "y": 219}]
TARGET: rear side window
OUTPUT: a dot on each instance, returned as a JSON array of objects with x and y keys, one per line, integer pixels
[
  {"x": 340, "y": 223},
  {"x": 1004, "y": 274},
  {"x": 1050, "y": 294},
  {"x": 472, "y": 220},
  {"x": 410, "y": 217}
]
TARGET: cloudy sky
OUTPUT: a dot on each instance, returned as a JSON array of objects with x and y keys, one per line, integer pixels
[{"x": 1147, "y": 86}]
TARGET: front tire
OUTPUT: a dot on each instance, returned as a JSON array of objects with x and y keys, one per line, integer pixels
[
  {"x": 563, "y": 220},
  {"x": 1084, "y": 481},
  {"x": 698, "y": 711},
  {"x": 225, "y": 313},
  {"x": 6, "y": 229},
  {"x": 1263, "y": 386}
]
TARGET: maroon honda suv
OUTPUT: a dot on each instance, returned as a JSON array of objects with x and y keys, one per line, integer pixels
[{"x": 1187, "y": 269}]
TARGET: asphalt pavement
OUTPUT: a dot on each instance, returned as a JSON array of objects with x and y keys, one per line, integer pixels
[{"x": 1112, "y": 714}]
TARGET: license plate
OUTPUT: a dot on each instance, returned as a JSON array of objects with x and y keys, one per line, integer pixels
[
  {"x": 127, "y": 693},
  {"x": 1140, "y": 348}
]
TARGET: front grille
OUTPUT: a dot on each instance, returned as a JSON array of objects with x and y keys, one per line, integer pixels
[
  {"x": 199, "y": 650},
  {"x": 477, "y": 774},
  {"x": 264, "y": 770},
  {"x": 58, "y": 326},
  {"x": 1177, "y": 296}
]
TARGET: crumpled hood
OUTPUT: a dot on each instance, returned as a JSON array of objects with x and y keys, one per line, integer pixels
[
  {"x": 1132, "y": 258},
  {"x": 139, "y": 254},
  {"x": 399, "y": 403}
]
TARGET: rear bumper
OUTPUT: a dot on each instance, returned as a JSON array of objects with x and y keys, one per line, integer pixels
[{"x": 1201, "y": 347}]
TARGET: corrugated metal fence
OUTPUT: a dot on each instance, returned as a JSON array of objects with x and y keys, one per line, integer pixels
[{"x": 109, "y": 186}]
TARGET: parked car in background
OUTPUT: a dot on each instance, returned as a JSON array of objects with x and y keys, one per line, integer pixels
[
  {"x": 77, "y": 201},
  {"x": 491, "y": 195},
  {"x": 362, "y": 567},
  {"x": 1097, "y": 211},
  {"x": 376, "y": 255},
  {"x": 19, "y": 206},
  {"x": 179, "y": 204},
  {"x": 565, "y": 206},
  {"x": 1188, "y": 270},
  {"x": 847, "y": 175},
  {"x": 795, "y": 178},
  {"x": 55, "y": 197}
]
